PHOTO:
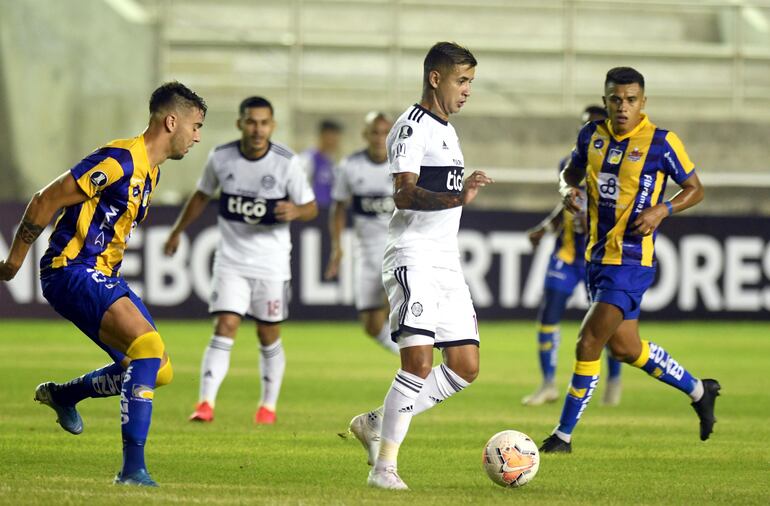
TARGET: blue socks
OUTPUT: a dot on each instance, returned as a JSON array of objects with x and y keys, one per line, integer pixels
[
  {"x": 554, "y": 303},
  {"x": 104, "y": 382},
  {"x": 136, "y": 410},
  {"x": 656, "y": 362},
  {"x": 613, "y": 367},
  {"x": 582, "y": 387}
]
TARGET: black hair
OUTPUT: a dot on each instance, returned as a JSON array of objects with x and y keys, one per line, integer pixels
[
  {"x": 595, "y": 110},
  {"x": 250, "y": 102},
  {"x": 444, "y": 55},
  {"x": 624, "y": 75},
  {"x": 329, "y": 125},
  {"x": 173, "y": 94}
]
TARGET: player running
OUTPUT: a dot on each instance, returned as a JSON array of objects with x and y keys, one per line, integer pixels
[
  {"x": 102, "y": 199},
  {"x": 364, "y": 178},
  {"x": 625, "y": 162},
  {"x": 430, "y": 304},
  {"x": 566, "y": 269},
  {"x": 263, "y": 188}
]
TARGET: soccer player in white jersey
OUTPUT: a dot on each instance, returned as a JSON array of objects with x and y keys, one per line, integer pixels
[
  {"x": 430, "y": 304},
  {"x": 263, "y": 188},
  {"x": 363, "y": 180}
]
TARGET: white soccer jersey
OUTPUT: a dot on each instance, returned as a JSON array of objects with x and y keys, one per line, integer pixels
[
  {"x": 253, "y": 243},
  {"x": 422, "y": 143},
  {"x": 369, "y": 187}
]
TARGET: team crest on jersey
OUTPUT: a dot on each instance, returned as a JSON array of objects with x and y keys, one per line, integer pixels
[
  {"x": 268, "y": 182},
  {"x": 98, "y": 178},
  {"x": 635, "y": 155},
  {"x": 417, "y": 309},
  {"x": 405, "y": 132},
  {"x": 615, "y": 156}
]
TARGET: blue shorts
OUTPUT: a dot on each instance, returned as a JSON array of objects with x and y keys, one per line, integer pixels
[
  {"x": 82, "y": 295},
  {"x": 622, "y": 286},
  {"x": 564, "y": 277}
]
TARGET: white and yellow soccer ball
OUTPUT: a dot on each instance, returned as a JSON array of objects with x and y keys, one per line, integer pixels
[{"x": 511, "y": 458}]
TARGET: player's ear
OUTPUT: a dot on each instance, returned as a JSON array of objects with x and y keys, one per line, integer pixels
[
  {"x": 604, "y": 101},
  {"x": 238, "y": 124},
  {"x": 644, "y": 101},
  {"x": 170, "y": 122},
  {"x": 434, "y": 78}
]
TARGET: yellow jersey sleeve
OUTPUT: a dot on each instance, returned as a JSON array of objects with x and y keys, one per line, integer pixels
[
  {"x": 96, "y": 173},
  {"x": 676, "y": 162}
]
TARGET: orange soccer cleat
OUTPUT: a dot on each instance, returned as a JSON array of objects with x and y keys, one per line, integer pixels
[
  {"x": 203, "y": 413},
  {"x": 264, "y": 416}
]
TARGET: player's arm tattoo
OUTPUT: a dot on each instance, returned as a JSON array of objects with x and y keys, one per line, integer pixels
[
  {"x": 419, "y": 199},
  {"x": 28, "y": 231}
]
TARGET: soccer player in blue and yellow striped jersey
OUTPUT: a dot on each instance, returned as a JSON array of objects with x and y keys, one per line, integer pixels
[
  {"x": 102, "y": 199},
  {"x": 625, "y": 162},
  {"x": 566, "y": 269}
]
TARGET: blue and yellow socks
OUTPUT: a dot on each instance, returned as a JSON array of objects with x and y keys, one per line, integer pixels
[
  {"x": 582, "y": 387},
  {"x": 548, "y": 346},
  {"x": 656, "y": 361}
]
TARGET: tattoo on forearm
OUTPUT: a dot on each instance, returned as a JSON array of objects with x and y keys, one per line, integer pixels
[
  {"x": 28, "y": 231},
  {"x": 419, "y": 199}
]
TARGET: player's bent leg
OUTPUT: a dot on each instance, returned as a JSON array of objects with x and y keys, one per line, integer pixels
[
  {"x": 600, "y": 323},
  {"x": 215, "y": 364},
  {"x": 272, "y": 366},
  {"x": 658, "y": 363},
  {"x": 460, "y": 368}
]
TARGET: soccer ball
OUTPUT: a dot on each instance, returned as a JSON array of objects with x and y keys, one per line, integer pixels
[{"x": 511, "y": 458}]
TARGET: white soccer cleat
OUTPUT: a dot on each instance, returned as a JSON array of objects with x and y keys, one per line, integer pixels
[
  {"x": 546, "y": 393},
  {"x": 612, "y": 391},
  {"x": 387, "y": 479},
  {"x": 366, "y": 428}
]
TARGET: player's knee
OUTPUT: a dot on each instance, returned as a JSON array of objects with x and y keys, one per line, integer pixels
[
  {"x": 165, "y": 374},
  {"x": 148, "y": 345},
  {"x": 371, "y": 329},
  {"x": 620, "y": 351},
  {"x": 226, "y": 328}
]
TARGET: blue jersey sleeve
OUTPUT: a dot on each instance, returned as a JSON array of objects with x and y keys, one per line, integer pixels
[
  {"x": 676, "y": 162},
  {"x": 579, "y": 155}
]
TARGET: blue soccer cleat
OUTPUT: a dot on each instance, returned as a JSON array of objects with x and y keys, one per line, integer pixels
[
  {"x": 67, "y": 416},
  {"x": 139, "y": 478}
]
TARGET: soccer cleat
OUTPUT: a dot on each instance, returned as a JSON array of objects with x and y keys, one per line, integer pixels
[
  {"x": 387, "y": 479},
  {"x": 139, "y": 478},
  {"x": 546, "y": 393},
  {"x": 555, "y": 444},
  {"x": 203, "y": 413},
  {"x": 612, "y": 391},
  {"x": 264, "y": 416},
  {"x": 67, "y": 416},
  {"x": 367, "y": 434},
  {"x": 705, "y": 407}
]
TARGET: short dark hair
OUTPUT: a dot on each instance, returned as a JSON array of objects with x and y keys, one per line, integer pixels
[
  {"x": 444, "y": 55},
  {"x": 173, "y": 94},
  {"x": 248, "y": 103},
  {"x": 624, "y": 75},
  {"x": 594, "y": 110},
  {"x": 329, "y": 125}
]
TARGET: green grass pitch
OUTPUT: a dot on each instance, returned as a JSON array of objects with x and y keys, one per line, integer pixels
[{"x": 646, "y": 451}]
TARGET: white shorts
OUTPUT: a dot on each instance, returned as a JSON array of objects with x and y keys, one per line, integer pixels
[
  {"x": 370, "y": 293},
  {"x": 262, "y": 299},
  {"x": 430, "y": 306}
]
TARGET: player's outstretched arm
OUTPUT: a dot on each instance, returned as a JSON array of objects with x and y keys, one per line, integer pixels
[
  {"x": 61, "y": 192},
  {"x": 569, "y": 186},
  {"x": 407, "y": 195},
  {"x": 337, "y": 219},
  {"x": 191, "y": 211},
  {"x": 691, "y": 194}
]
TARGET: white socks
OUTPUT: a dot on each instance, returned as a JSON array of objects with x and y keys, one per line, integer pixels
[
  {"x": 397, "y": 414},
  {"x": 441, "y": 383},
  {"x": 272, "y": 364},
  {"x": 214, "y": 366},
  {"x": 697, "y": 392},
  {"x": 384, "y": 339}
]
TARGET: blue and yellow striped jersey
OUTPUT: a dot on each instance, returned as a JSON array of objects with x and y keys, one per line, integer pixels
[
  {"x": 571, "y": 243},
  {"x": 624, "y": 176},
  {"x": 119, "y": 182}
]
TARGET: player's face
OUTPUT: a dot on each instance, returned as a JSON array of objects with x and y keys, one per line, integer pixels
[
  {"x": 187, "y": 131},
  {"x": 256, "y": 125},
  {"x": 624, "y": 103},
  {"x": 375, "y": 134},
  {"x": 454, "y": 89}
]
